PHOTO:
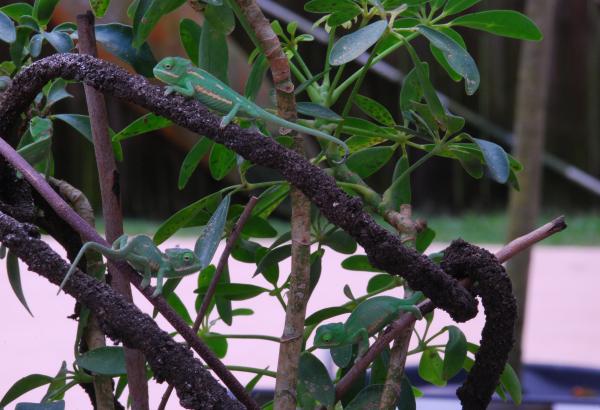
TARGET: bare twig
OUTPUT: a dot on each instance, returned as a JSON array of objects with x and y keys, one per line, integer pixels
[
  {"x": 108, "y": 177},
  {"x": 210, "y": 292},
  {"x": 400, "y": 325}
]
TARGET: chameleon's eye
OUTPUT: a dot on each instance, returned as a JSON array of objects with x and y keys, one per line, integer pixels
[
  {"x": 327, "y": 337},
  {"x": 168, "y": 66},
  {"x": 186, "y": 258}
]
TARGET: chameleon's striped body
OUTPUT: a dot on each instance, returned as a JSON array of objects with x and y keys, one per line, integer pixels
[{"x": 183, "y": 78}]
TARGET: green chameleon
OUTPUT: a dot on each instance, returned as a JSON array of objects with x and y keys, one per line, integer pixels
[
  {"x": 182, "y": 77},
  {"x": 369, "y": 317},
  {"x": 141, "y": 253}
]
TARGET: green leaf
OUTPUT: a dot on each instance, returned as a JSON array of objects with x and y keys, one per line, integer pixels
[
  {"x": 59, "y": 40},
  {"x": 56, "y": 389},
  {"x": 340, "y": 242},
  {"x": 431, "y": 367},
  {"x": 314, "y": 379},
  {"x": 374, "y": 110},
  {"x": 273, "y": 257},
  {"x": 370, "y": 160},
  {"x": 257, "y": 227},
  {"x": 330, "y": 6},
  {"x": 35, "y": 45},
  {"x": 224, "y": 307},
  {"x": 315, "y": 269},
  {"x": 368, "y": 398},
  {"x": 325, "y": 314},
  {"x": 411, "y": 91},
  {"x": 317, "y": 111},
  {"x": 24, "y": 385},
  {"x": 439, "y": 56},
  {"x": 458, "y": 58},
  {"x": 220, "y": 17},
  {"x": 213, "y": 54},
  {"x": 424, "y": 239},
  {"x": 178, "y": 306},
  {"x": 216, "y": 342},
  {"x": 189, "y": 34},
  {"x": 146, "y": 123},
  {"x": 256, "y": 76},
  {"x": 81, "y": 124},
  {"x": 341, "y": 355},
  {"x": 380, "y": 367},
  {"x": 99, "y": 7},
  {"x": 8, "y": 32},
  {"x": 359, "y": 263},
  {"x": 150, "y": 17},
  {"x": 399, "y": 192},
  {"x": 43, "y": 9},
  {"x": 456, "y": 6},
  {"x": 221, "y": 161},
  {"x": 57, "y": 92},
  {"x": 252, "y": 383},
  {"x": 455, "y": 353},
  {"x": 340, "y": 17},
  {"x": 407, "y": 400},
  {"x": 510, "y": 381},
  {"x": 16, "y": 10},
  {"x": 496, "y": 160},
  {"x": 117, "y": 38},
  {"x": 108, "y": 360},
  {"x": 185, "y": 216},
  {"x": 380, "y": 281},
  {"x": 14, "y": 278},
  {"x": 56, "y": 405},
  {"x": 38, "y": 149},
  {"x": 246, "y": 251},
  {"x": 209, "y": 238},
  {"x": 192, "y": 160},
  {"x": 270, "y": 199},
  {"x": 506, "y": 23},
  {"x": 235, "y": 291},
  {"x": 352, "y": 45}
]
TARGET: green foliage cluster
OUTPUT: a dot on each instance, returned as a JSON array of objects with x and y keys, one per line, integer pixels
[{"x": 423, "y": 129}]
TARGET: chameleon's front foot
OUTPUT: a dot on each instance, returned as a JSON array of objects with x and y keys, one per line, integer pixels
[{"x": 169, "y": 90}]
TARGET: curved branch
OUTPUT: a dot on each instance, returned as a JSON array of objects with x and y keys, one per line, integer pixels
[
  {"x": 121, "y": 320},
  {"x": 385, "y": 250}
]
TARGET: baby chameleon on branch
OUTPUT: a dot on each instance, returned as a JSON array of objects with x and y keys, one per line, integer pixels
[
  {"x": 183, "y": 78},
  {"x": 143, "y": 255},
  {"x": 369, "y": 318}
]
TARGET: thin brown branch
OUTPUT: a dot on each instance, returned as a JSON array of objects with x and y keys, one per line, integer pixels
[
  {"x": 399, "y": 326},
  {"x": 108, "y": 177},
  {"x": 210, "y": 292}
]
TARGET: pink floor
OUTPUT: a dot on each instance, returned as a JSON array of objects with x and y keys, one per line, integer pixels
[{"x": 561, "y": 324}]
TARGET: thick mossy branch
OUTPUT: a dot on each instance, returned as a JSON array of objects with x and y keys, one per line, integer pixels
[
  {"x": 385, "y": 250},
  {"x": 121, "y": 320}
]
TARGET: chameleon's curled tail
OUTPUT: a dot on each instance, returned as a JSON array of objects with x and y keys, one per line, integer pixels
[{"x": 306, "y": 130}]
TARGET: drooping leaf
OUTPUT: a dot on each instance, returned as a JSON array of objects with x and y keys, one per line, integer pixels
[
  {"x": 506, "y": 23},
  {"x": 108, "y": 360},
  {"x": 375, "y": 110},
  {"x": 341, "y": 242},
  {"x": 270, "y": 199},
  {"x": 368, "y": 398},
  {"x": 458, "y": 58},
  {"x": 224, "y": 307},
  {"x": 81, "y": 124},
  {"x": 14, "y": 278},
  {"x": 273, "y": 257},
  {"x": 314, "y": 378},
  {"x": 352, "y": 45},
  {"x": 407, "y": 400},
  {"x": 455, "y": 353},
  {"x": 57, "y": 92},
  {"x": 59, "y": 40},
  {"x": 146, "y": 123},
  {"x": 370, "y": 160},
  {"x": 411, "y": 91},
  {"x": 24, "y": 385},
  {"x": 221, "y": 161},
  {"x": 209, "y": 238},
  {"x": 399, "y": 192},
  {"x": 8, "y": 32},
  {"x": 189, "y": 34},
  {"x": 510, "y": 382},
  {"x": 439, "y": 56},
  {"x": 150, "y": 17},
  {"x": 214, "y": 52},
  {"x": 178, "y": 306},
  {"x": 192, "y": 160},
  {"x": 256, "y": 76},
  {"x": 431, "y": 367},
  {"x": 424, "y": 239},
  {"x": 496, "y": 160}
]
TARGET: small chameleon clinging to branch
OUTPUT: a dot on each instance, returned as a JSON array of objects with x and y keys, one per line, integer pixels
[
  {"x": 143, "y": 255},
  {"x": 369, "y": 317},
  {"x": 182, "y": 77}
]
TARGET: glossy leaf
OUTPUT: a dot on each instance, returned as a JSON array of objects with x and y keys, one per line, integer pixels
[
  {"x": 317, "y": 111},
  {"x": 352, "y": 45},
  {"x": 221, "y": 18},
  {"x": 506, "y": 23},
  {"x": 431, "y": 367},
  {"x": 439, "y": 56},
  {"x": 176, "y": 303},
  {"x": 340, "y": 17},
  {"x": 510, "y": 381},
  {"x": 455, "y": 353},
  {"x": 146, "y": 123},
  {"x": 370, "y": 160},
  {"x": 14, "y": 278},
  {"x": 16, "y": 10},
  {"x": 43, "y": 9},
  {"x": 189, "y": 34},
  {"x": 235, "y": 291},
  {"x": 424, "y": 239},
  {"x": 192, "y": 160},
  {"x": 221, "y": 161},
  {"x": 456, "y": 6},
  {"x": 399, "y": 192},
  {"x": 56, "y": 389},
  {"x": 81, "y": 123},
  {"x": 117, "y": 38},
  {"x": 256, "y": 76},
  {"x": 151, "y": 15},
  {"x": 24, "y": 385},
  {"x": 411, "y": 91},
  {"x": 99, "y": 7},
  {"x": 55, "y": 405},
  {"x": 216, "y": 342},
  {"x": 325, "y": 314},
  {"x": 184, "y": 217},
  {"x": 8, "y": 32},
  {"x": 314, "y": 378},
  {"x": 246, "y": 251},
  {"x": 458, "y": 58},
  {"x": 368, "y": 398},
  {"x": 359, "y": 263},
  {"x": 59, "y": 40},
  {"x": 214, "y": 54},
  {"x": 108, "y": 360},
  {"x": 57, "y": 92},
  {"x": 375, "y": 110},
  {"x": 340, "y": 242},
  {"x": 381, "y": 281},
  {"x": 273, "y": 257},
  {"x": 209, "y": 238},
  {"x": 496, "y": 160},
  {"x": 270, "y": 199}
]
